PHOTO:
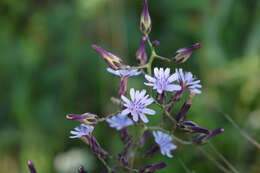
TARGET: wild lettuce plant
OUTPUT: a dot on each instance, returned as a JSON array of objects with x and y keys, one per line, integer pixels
[{"x": 163, "y": 87}]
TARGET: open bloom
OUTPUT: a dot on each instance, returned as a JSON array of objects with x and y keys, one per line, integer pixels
[
  {"x": 124, "y": 73},
  {"x": 165, "y": 143},
  {"x": 137, "y": 106},
  {"x": 82, "y": 130},
  {"x": 119, "y": 121},
  {"x": 162, "y": 80},
  {"x": 187, "y": 80}
]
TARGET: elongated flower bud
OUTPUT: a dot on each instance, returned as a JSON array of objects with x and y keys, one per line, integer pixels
[
  {"x": 114, "y": 61},
  {"x": 86, "y": 118},
  {"x": 31, "y": 167},
  {"x": 141, "y": 56},
  {"x": 123, "y": 86},
  {"x": 152, "y": 168},
  {"x": 185, "y": 108},
  {"x": 145, "y": 22},
  {"x": 184, "y": 53},
  {"x": 191, "y": 127},
  {"x": 203, "y": 139}
]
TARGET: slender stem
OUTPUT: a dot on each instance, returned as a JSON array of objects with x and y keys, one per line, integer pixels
[
  {"x": 223, "y": 158},
  {"x": 214, "y": 161},
  {"x": 108, "y": 116},
  {"x": 136, "y": 145},
  {"x": 163, "y": 58},
  {"x": 242, "y": 132},
  {"x": 105, "y": 164},
  {"x": 184, "y": 165}
]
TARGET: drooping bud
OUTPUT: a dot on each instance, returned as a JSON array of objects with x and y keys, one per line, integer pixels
[
  {"x": 203, "y": 139},
  {"x": 141, "y": 56},
  {"x": 184, "y": 109},
  {"x": 152, "y": 168},
  {"x": 82, "y": 170},
  {"x": 145, "y": 22},
  {"x": 123, "y": 86},
  {"x": 191, "y": 127},
  {"x": 31, "y": 167},
  {"x": 184, "y": 53},
  {"x": 86, "y": 118},
  {"x": 114, "y": 61}
]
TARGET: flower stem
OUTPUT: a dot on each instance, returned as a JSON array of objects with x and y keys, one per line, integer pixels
[
  {"x": 214, "y": 161},
  {"x": 223, "y": 158}
]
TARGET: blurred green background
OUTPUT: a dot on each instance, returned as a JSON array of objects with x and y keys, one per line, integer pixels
[{"x": 48, "y": 70}]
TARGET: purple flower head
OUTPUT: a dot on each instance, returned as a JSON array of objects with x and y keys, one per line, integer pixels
[
  {"x": 119, "y": 121},
  {"x": 184, "y": 53},
  {"x": 137, "y": 106},
  {"x": 82, "y": 130},
  {"x": 162, "y": 80},
  {"x": 145, "y": 22},
  {"x": 165, "y": 143},
  {"x": 141, "y": 56},
  {"x": 124, "y": 73},
  {"x": 115, "y": 62},
  {"x": 187, "y": 81}
]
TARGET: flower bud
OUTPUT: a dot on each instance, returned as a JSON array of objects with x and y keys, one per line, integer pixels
[
  {"x": 203, "y": 139},
  {"x": 123, "y": 86},
  {"x": 115, "y": 62},
  {"x": 86, "y": 118},
  {"x": 184, "y": 109},
  {"x": 191, "y": 127},
  {"x": 152, "y": 168},
  {"x": 145, "y": 22},
  {"x": 31, "y": 167},
  {"x": 156, "y": 43},
  {"x": 141, "y": 56},
  {"x": 82, "y": 170},
  {"x": 184, "y": 53}
]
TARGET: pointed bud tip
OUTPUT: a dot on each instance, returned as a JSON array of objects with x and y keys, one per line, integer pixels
[{"x": 29, "y": 163}]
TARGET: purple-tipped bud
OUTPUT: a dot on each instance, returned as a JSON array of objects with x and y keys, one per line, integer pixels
[
  {"x": 152, "y": 168},
  {"x": 141, "y": 56},
  {"x": 191, "y": 127},
  {"x": 182, "y": 113},
  {"x": 156, "y": 43},
  {"x": 31, "y": 167},
  {"x": 86, "y": 118},
  {"x": 82, "y": 170},
  {"x": 203, "y": 139},
  {"x": 184, "y": 53},
  {"x": 115, "y": 62},
  {"x": 123, "y": 86},
  {"x": 145, "y": 22}
]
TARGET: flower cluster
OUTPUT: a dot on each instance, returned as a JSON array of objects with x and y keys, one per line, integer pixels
[{"x": 135, "y": 106}]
